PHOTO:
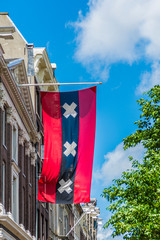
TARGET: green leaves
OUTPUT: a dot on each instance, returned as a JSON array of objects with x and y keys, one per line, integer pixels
[{"x": 135, "y": 197}]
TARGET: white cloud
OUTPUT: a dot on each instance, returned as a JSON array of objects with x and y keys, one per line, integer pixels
[
  {"x": 116, "y": 162},
  {"x": 118, "y": 31},
  {"x": 149, "y": 79},
  {"x": 106, "y": 234},
  {"x": 103, "y": 233}
]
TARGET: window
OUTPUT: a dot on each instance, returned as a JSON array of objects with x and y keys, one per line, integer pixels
[
  {"x": 30, "y": 213},
  {"x": 15, "y": 194},
  {"x": 60, "y": 220},
  {"x": 42, "y": 227},
  {"x": 31, "y": 174},
  {"x": 3, "y": 182},
  {"x": 15, "y": 144},
  {"x": 24, "y": 205},
  {"x": 4, "y": 127},
  {"x": 39, "y": 227},
  {"x": 66, "y": 224},
  {"x": 23, "y": 160},
  {"x": 37, "y": 103},
  {"x": 46, "y": 229}
]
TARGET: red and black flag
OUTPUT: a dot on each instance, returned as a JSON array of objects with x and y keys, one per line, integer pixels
[{"x": 69, "y": 120}]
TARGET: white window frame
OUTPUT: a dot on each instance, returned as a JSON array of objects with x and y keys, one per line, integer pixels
[
  {"x": 3, "y": 182},
  {"x": 60, "y": 219},
  {"x": 4, "y": 127},
  {"x": 15, "y": 143},
  {"x": 15, "y": 192},
  {"x": 66, "y": 223}
]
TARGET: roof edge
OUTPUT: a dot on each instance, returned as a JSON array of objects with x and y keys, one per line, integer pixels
[{"x": 4, "y": 13}]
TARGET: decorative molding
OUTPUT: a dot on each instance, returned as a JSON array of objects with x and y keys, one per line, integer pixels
[
  {"x": 33, "y": 157},
  {"x": 2, "y": 103},
  {"x": 2, "y": 209},
  {"x": 22, "y": 226},
  {"x": 2, "y": 97},
  {"x": 21, "y": 137},
  {"x": 16, "y": 96},
  {"x": 33, "y": 149},
  {"x": 10, "y": 118},
  {"x": 8, "y": 222},
  {"x": 5, "y": 235},
  {"x": 29, "y": 233},
  {"x": 39, "y": 136},
  {"x": 9, "y": 214},
  {"x": 43, "y": 69},
  {"x": 1, "y": 233},
  {"x": 28, "y": 148}
]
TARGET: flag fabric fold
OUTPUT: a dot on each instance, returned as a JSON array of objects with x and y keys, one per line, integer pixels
[{"x": 69, "y": 120}]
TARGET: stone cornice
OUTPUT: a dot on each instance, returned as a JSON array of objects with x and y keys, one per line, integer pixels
[
  {"x": 15, "y": 95},
  {"x": 22, "y": 78},
  {"x": 15, "y": 228}
]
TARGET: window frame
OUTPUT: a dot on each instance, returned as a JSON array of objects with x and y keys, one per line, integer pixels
[
  {"x": 3, "y": 183},
  {"x": 15, "y": 193},
  {"x": 4, "y": 117}
]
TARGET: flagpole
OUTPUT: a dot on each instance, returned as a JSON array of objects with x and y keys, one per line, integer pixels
[{"x": 56, "y": 84}]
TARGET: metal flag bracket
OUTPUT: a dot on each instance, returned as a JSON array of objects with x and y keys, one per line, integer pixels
[{"x": 56, "y": 84}]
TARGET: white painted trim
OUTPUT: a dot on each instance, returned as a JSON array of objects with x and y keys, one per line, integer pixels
[
  {"x": 5, "y": 235},
  {"x": 2, "y": 209},
  {"x": 15, "y": 174},
  {"x": 15, "y": 128},
  {"x": 15, "y": 228}
]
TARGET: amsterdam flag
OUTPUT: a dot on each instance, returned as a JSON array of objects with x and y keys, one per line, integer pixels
[{"x": 69, "y": 120}]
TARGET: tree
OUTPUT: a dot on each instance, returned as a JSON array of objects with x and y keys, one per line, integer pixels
[{"x": 134, "y": 199}]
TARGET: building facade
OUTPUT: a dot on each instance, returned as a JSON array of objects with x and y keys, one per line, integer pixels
[
  {"x": 18, "y": 136},
  {"x": 19, "y": 160}
]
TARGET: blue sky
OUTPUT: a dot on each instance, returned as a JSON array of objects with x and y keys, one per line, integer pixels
[{"x": 116, "y": 42}]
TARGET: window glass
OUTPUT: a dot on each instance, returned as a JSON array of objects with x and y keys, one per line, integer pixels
[
  {"x": 15, "y": 144},
  {"x": 4, "y": 127},
  {"x": 15, "y": 194},
  {"x": 14, "y": 198},
  {"x": 4, "y": 182}
]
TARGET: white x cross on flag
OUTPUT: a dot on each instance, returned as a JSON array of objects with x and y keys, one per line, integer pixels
[
  {"x": 65, "y": 186},
  {"x": 70, "y": 149},
  {"x": 70, "y": 110}
]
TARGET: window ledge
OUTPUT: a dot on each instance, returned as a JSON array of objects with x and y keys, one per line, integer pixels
[{"x": 14, "y": 227}]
